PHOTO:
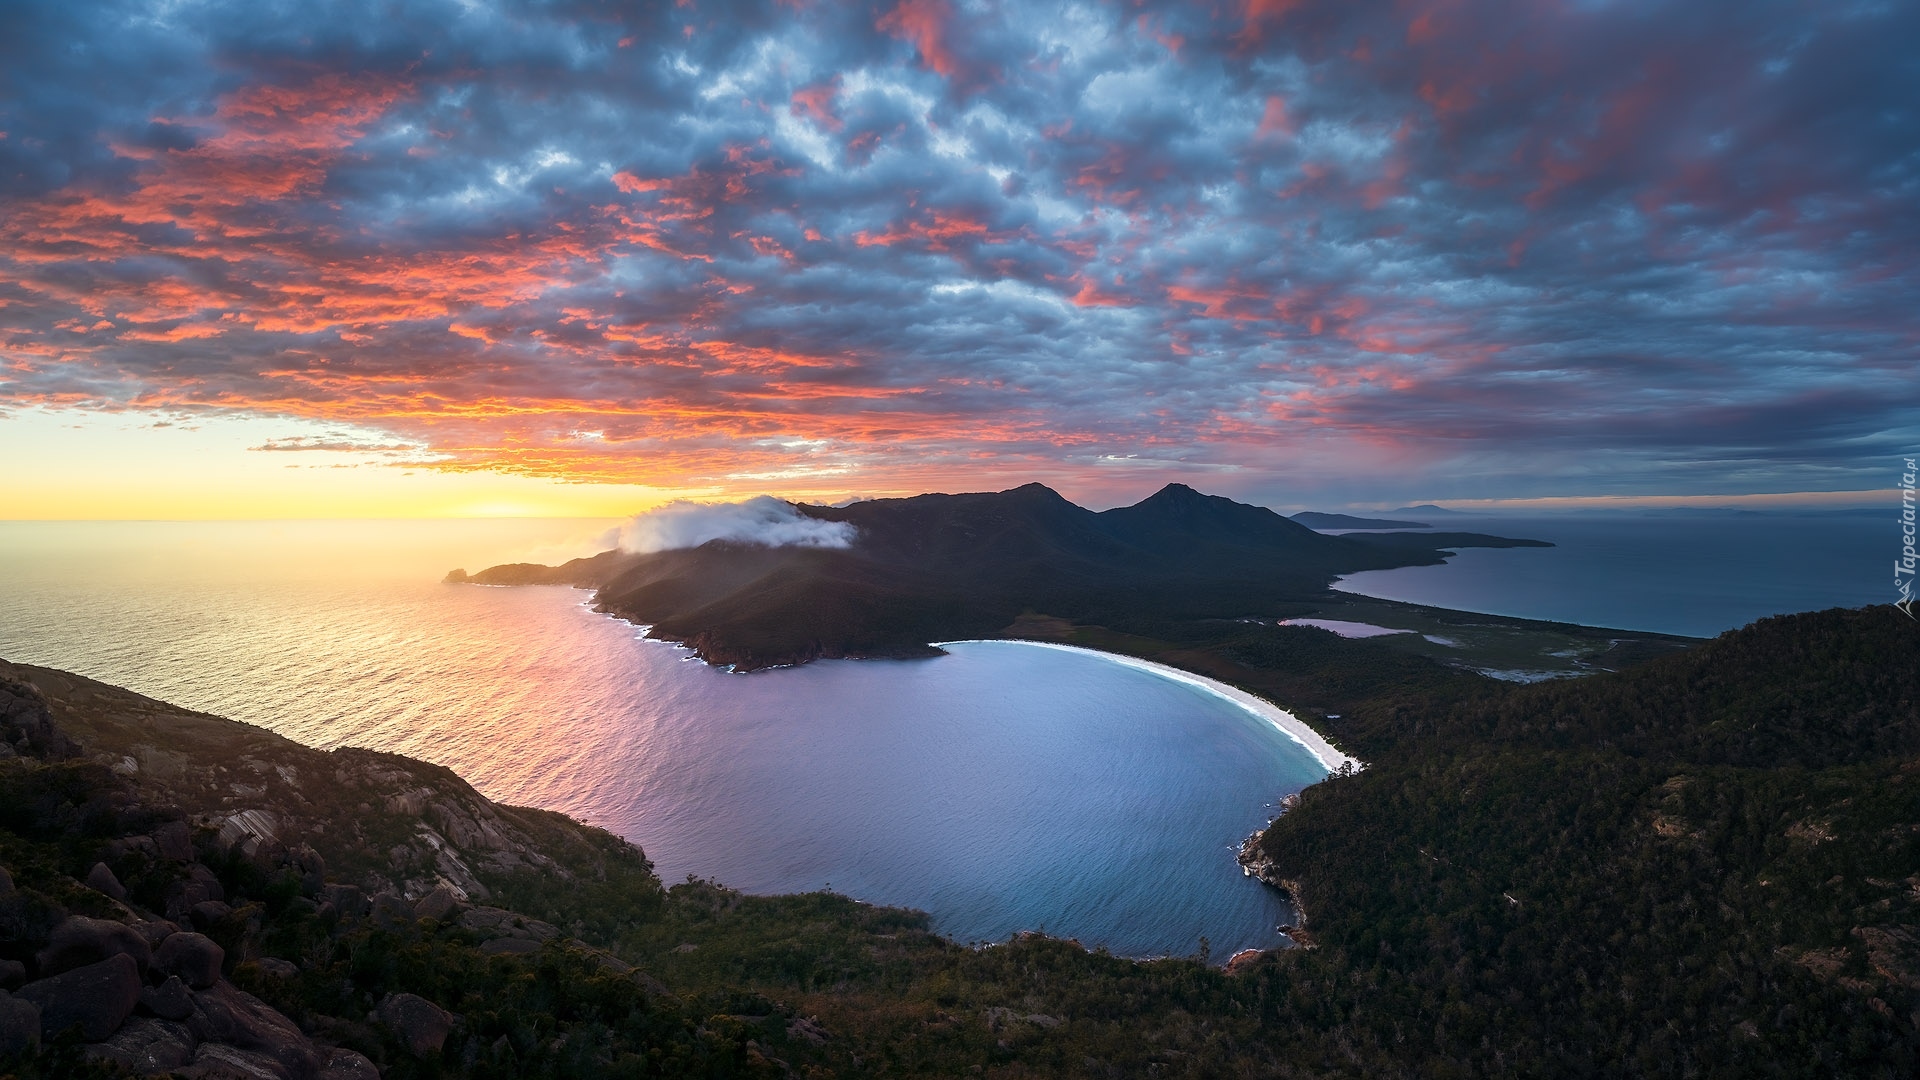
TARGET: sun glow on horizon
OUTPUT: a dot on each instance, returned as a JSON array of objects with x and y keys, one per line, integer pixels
[
  {"x": 70, "y": 465},
  {"x": 88, "y": 465}
]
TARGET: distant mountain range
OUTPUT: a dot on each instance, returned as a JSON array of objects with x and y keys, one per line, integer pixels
[{"x": 942, "y": 567}]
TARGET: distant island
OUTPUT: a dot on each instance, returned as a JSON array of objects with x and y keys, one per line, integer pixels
[
  {"x": 1315, "y": 520},
  {"x": 943, "y": 567}
]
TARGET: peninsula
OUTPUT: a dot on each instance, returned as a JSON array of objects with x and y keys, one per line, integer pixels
[{"x": 946, "y": 567}]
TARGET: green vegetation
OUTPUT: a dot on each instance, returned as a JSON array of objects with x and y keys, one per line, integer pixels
[{"x": 1705, "y": 865}]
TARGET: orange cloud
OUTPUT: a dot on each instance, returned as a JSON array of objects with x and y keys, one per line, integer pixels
[
  {"x": 816, "y": 103},
  {"x": 925, "y": 23},
  {"x": 1274, "y": 120}
]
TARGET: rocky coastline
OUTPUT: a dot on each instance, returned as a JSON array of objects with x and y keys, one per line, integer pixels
[{"x": 1257, "y": 864}]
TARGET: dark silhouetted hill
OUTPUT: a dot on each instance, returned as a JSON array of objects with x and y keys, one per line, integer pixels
[
  {"x": 1313, "y": 519},
  {"x": 945, "y": 567}
]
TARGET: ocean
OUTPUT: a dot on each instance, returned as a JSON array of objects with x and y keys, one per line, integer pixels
[
  {"x": 1673, "y": 572},
  {"x": 1002, "y": 787}
]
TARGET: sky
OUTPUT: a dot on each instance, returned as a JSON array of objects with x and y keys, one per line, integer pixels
[{"x": 386, "y": 259}]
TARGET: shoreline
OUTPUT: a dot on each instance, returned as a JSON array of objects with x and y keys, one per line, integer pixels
[{"x": 1285, "y": 722}]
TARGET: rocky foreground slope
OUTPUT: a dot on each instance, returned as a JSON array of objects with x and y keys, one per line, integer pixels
[{"x": 160, "y": 864}]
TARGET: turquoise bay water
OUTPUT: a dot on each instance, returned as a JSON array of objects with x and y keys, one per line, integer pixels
[{"x": 1000, "y": 788}]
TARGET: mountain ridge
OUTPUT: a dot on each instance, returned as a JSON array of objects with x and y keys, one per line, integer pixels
[{"x": 946, "y": 566}]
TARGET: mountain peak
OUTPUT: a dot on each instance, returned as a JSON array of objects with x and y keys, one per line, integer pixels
[
  {"x": 1177, "y": 492},
  {"x": 1036, "y": 490}
]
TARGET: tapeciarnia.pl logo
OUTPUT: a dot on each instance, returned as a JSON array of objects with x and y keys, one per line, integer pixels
[{"x": 1903, "y": 566}]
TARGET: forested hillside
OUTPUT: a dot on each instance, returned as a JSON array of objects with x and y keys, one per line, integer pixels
[{"x": 1706, "y": 865}]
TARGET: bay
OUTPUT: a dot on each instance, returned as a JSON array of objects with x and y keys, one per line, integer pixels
[{"x": 1001, "y": 787}]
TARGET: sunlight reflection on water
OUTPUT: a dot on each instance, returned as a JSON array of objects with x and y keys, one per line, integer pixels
[{"x": 1001, "y": 788}]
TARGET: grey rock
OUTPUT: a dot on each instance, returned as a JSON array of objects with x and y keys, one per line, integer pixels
[
  {"x": 231, "y": 1016},
  {"x": 19, "y": 1025},
  {"x": 143, "y": 844},
  {"x": 312, "y": 868},
  {"x": 496, "y": 922},
  {"x": 420, "y": 1025},
  {"x": 101, "y": 879},
  {"x": 610, "y": 962},
  {"x": 174, "y": 841},
  {"x": 12, "y": 974},
  {"x": 170, "y": 1000},
  {"x": 210, "y": 913},
  {"x": 809, "y": 1029},
  {"x": 219, "y": 1061},
  {"x": 97, "y": 998},
  {"x": 79, "y": 941},
  {"x": 156, "y": 930},
  {"x": 147, "y": 1046},
  {"x": 348, "y": 900},
  {"x": 275, "y": 968},
  {"x": 439, "y": 905},
  {"x": 27, "y": 722},
  {"x": 183, "y": 896},
  {"x": 207, "y": 878},
  {"x": 391, "y": 912},
  {"x": 195, "y": 958},
  {"x": 349, "y": 1065}
]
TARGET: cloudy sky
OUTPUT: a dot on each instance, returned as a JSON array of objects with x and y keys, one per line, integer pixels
[{"x": 564, "y": 256}]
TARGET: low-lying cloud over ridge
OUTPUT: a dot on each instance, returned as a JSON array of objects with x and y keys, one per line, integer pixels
[{"x": 762, "y": 520}]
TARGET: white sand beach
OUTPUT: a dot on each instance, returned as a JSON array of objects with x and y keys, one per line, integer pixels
[{"x": 1289, "y": 725}]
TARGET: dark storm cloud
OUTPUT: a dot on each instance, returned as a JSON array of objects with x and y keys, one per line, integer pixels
[{"x": 1485, "y": 249}]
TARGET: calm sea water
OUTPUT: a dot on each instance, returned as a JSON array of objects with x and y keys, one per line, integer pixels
[
  {"x": 1003, "y": 787},
  {"x": 1672, "y": 573}
]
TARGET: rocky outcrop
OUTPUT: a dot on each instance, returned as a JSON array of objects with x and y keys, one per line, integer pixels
[
  {"x": 26, "y": 723},
  {"x": 377, "y": 821},
  {"x": 194, "y": 959},
  {"x": 420, "y": 1025},
  {"x": 19, "y": 1025},
  {"x": 498, "y": 923},
  {"x": 96, "y": 998},
  {"x": 1256, "y": 863},
  {"x": 180, "y": 794},
  {"x": 80, "y": 941},
  {"x": 145, "y": 1046},
  {"x": 225, "y": 1014},
  {"x": 171, "y": 1000},
  {"x": 1244, "y": 961},
  {"x": 349, "y": 1065}
]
